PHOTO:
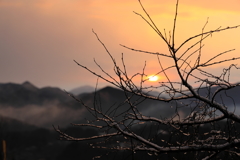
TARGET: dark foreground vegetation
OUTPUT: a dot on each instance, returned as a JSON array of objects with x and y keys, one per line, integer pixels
[{"x": 42, "y": 144}]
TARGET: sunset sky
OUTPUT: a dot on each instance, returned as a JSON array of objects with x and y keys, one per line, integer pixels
[{"x": 40, "y": 39}]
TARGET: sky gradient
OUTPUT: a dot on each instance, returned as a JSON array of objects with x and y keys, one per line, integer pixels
[{"x": 40, "y": 39}]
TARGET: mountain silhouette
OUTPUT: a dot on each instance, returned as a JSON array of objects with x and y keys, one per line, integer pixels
[
  {"x": 49, "y": 106},
  {"x": 19, "y": 95},
  {"x": 82, "y": 90},
  {"x": 228, "y": 98},
  {"x": 27, "y": 114}
]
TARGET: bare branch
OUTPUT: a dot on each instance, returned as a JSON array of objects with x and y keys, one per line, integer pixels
[{"x": 192, "y": 114}]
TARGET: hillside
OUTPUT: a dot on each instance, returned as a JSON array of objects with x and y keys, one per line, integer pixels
[
  {"x": 82, "y": 89},
  {"x": 27, "y": 114},
  {"x": 49, "y": 106}
]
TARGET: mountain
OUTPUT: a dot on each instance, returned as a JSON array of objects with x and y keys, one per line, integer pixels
[
  {"x": 27, "y": 114},
  {"x": 82, "y": 89},
  {"x": 49, "y": 106},
  {"x": 12, "y": 125},
  {"x": 229, "y": 98},
  {"x": 37, "y": 106},
  {"x": 18, "y": 95},
  {"x": 113, "y": 101}
]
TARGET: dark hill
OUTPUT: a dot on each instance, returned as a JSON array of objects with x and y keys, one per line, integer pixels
[
  {"x": 82, "y": 90},
  {"x": 12, "y": 125},
  {"x": 229, "y": 98},
  {"x": 49, "y": 106},
  {"x": 19, "y": 95},
  {"x": 112, "y": 101}
]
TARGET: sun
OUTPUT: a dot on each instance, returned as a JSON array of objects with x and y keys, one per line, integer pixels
[{"x": 153, "y": 78}]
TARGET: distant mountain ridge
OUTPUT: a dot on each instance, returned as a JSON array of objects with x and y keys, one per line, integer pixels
[
  {"x": 18, "y": 95},
  {"x": 49, "y": 106},
  {"x": 27, "y": 114},
  {"x": 229, "y": 98},
  {"x": 82, "y": 89}
]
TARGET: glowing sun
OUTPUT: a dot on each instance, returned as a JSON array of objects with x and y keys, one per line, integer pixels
[{"x": 153, "y": 78}]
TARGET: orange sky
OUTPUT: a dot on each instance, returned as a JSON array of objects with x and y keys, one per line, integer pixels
[{"x": 40, "y": 38}]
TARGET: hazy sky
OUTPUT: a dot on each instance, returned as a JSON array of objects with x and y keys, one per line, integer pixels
[{"x": 40, "y": 39}]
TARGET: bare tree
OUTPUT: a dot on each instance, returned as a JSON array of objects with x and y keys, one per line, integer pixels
[{"x": 207, "y": 129}]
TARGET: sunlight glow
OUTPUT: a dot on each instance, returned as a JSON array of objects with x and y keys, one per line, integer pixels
[{"x": 153, "y": 78}]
